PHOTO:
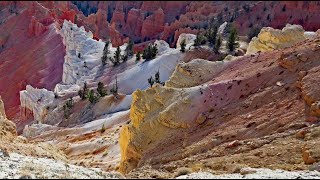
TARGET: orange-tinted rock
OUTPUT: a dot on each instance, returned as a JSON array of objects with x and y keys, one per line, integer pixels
[
  {"x": 32, "y": 53},
  {"x": 153, "y": 25},
  {"x": 35, "y": 27}
]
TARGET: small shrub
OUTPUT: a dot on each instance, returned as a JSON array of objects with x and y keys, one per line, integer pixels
[
  {"x": 138, "y": 56},
  {"x": 91, "y": 97},
  {"x": 101, "y": 90},
  {"x": 183, "y": 46},
  {"x": 103, "y": 129},
  {"x": 150, "y": 52},
  {"x": 151, "y": 81},
  {"x": 183, "y": 171}
]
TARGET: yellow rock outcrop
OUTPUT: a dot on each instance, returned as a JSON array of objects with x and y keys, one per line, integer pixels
[
  {"x": 7, "y": 128},
  {"x": 272, "y": 39},
  {"x": 195, "y": 72},
  {"x": 156, "y": 113}
]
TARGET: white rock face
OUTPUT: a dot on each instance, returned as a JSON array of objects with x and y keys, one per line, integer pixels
[
  {"x": 137, "y": 77},
  {"x": 18, "y": 166},
  {"x": 222, "y": 28},
  {"x": 189, "y": 40},
  {"x": 62, "y": 89},
  {"x": 36, "y": 100},
  {"x": 310, "y": 35},
  {"x": 78, "y": 41},
  {"x": 257, "y": 173}
]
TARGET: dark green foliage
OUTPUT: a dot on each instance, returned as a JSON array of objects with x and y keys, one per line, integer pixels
[
  {"x": 124, "y": 58},
  {"x": 105, "y": 53},
  {"x": 138, "y": 56},
  {"x": 116, "y": 58},
  {"x": 217, "y": 45},
  {"x": 231, "y": 44},
  {"x": 114, "y": 90},
  {"x": 151, "y": 81},
  {"x": 150, "y": 52},
  {"x": 103, "y": 129},
  {"x": 212, "y": 34},
  {"x": 200, "y": 40},
  {"x": 129, "y": 48},
  {"x": 101, "y": 90},
  {"x": 83, "y": 93},
  {"x": 156, "y": 79},
  {"x": 92, "y": 97},
  {"x": 253, "y": 32},
  {"x": 183, "y": 46},
  {"x": 117, "y": 55},
  {"x": 67, "y": 108}
]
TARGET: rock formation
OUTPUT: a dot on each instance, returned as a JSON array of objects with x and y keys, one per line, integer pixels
[
  {"x": 7, "y": 128},
  {"x": 227, "y": 105},
  {"x": 272, "y": 39}
]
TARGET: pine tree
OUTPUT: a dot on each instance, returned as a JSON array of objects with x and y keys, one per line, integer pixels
[
  {"x": 232, "y": 39},
  {"x": 83, "y": 93},
  {"x": 157, "y": 77},
  {"x": 183, "y": 46},
  {"x": 217, "y": 45},
  {"x": 91, "y": 96},
  {"x": 101, "y": 90},
  {"x": 212, "y": 34},
  {"x": 105, "y": 53},
  {"x": 138, "y": 56},
  {"x": 151, "y": 81},
  {"x": 117, "y": 56},
  {"x": 114, "y": 89},
  {"x": 200, "y": 40},
  {"x": 129, "y": 48},
  {"x": 150, "y": 52}
]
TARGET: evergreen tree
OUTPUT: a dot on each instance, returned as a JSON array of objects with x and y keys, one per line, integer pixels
[
  {"x": 217, "y": 45},
  {"x": 105, "y": 53},
  {"x": 183, "y": 46},
  {"x": 232, "y": 39},
  {"x": 150, "y": 52},
  {"x": 117, "y": 56},
  {"x": 212, "y": 34},
  {"x": 138, "y": 56},
  {"x": 129, "y": 48},
  {"x": 124, "y": 58},
  {"x": 157, "y": 77},
  {"x": 101, "y": 90},
  {"x": 151, "y": 81},
  {"x": 91, "y": 96},
  {"x": 114, "y": 89},
  {"x": 84, "y": 92}
]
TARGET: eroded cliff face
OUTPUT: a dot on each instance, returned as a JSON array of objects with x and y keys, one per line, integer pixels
[
  {"x": 271, "y": 39},
  {"x": 178, "y": 120},
  {"x": 7, "y": 128}
]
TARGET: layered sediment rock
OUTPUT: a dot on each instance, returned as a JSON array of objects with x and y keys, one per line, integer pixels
[
  {"x": 7, "y": 128},
  {"x": 256, "y": 88},
  {"x": 271, "y": 39}
]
